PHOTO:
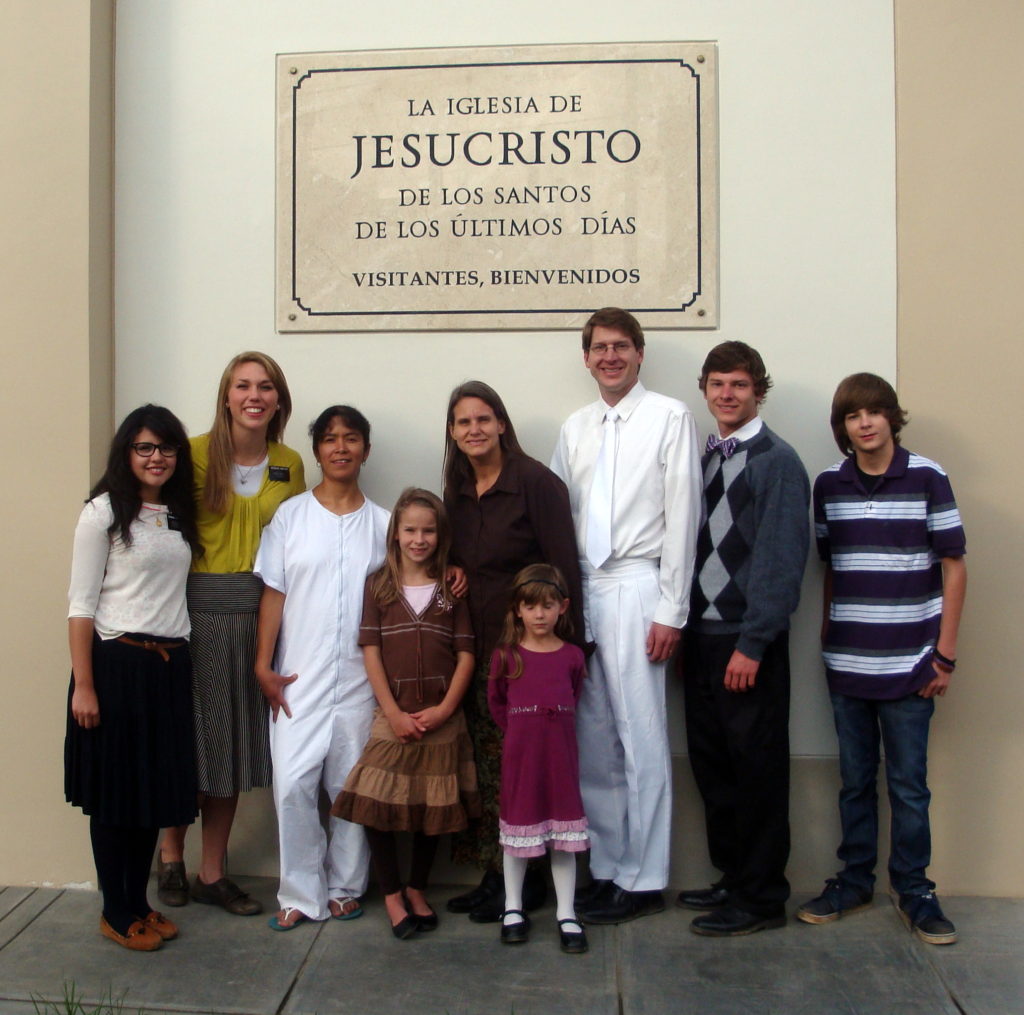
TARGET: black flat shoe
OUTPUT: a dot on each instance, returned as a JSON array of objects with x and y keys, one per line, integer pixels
[
  {"x": 573, "y": 942},
  {"x": 423, "y": 923},
  {"x": 515, "y": 933},
  {"x": 490, "y": 885},
  {"x": 405, "y": 928}
]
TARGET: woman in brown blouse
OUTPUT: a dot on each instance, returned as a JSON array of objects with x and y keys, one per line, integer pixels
[{"x": 506, "y": 511}]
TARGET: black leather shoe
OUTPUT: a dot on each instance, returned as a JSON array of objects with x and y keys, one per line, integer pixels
[
  {"x": 573, "y": 942},
  {"x": 490, "y": 885},
  {"x": 491, "y": 910},
  {"x": 516, "y": 933},
  {"x": 620, "y": 906},
  {"x": 728, "y": 921},
  {"x": 703, "y": 898},
  {"x": 588, "y": 893}
]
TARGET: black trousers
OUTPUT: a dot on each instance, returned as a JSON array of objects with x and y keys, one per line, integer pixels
[{"x": 739, "y": 751}]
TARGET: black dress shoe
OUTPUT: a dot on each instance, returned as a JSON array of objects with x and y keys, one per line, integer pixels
[
  {"x": 588, "y": 893},
  {"x": 515, "y": 933},
  {"x": 620, "y": 906},
  {"x": 489, "y": 911},
  {"x": 491, "y": 884},
  {"x": 703, "y": 898},
  {"x": 573, "y": 942},
  {"x": 728, "y": 921}
]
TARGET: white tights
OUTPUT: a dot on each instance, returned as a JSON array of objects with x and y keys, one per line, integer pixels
[{"x": 563, "y": 873}]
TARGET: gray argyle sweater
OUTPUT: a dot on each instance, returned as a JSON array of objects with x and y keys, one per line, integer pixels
[{"x": 753, "y": 542}]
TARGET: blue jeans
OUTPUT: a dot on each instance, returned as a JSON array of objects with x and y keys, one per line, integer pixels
[{"x": 902, "y": 728}]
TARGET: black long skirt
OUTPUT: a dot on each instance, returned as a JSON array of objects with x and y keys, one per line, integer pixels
[{"x": 137, "y": 767}]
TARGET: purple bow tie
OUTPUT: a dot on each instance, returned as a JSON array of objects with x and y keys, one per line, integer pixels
[{"x": 727, "y": 445}]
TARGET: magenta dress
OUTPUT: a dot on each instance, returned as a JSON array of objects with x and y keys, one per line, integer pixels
[{"x": 540, "y": 806}]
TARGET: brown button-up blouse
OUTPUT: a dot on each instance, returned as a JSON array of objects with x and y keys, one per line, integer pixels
[{"x": 524, "y": 518}]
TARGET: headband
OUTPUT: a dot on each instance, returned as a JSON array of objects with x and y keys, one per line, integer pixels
[{"x": 542, "y": 581}]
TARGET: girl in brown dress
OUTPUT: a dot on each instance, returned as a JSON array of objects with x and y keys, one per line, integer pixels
[{"x": 416, "y": 773}]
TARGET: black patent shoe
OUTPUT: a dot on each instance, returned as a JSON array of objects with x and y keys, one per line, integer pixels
[
  {"x": 515, "y": 933},
  {"x": 490, "y": 885},
  {"x": 573, "y": 942}
]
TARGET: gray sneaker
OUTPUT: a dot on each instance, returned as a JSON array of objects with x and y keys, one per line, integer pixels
[
  {"x": 923, "y": 916},
  {"x": 837, "y": 900}
]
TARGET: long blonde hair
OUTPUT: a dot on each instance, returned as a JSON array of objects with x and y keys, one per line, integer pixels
[
  {"x": 537, "y": 583},
  {"x": 387, "y": 582},
  {"x": 217, "y": 491}
]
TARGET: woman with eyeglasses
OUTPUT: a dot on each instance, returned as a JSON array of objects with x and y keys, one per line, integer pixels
[
  {"x": 128, "y": 753},
  {"x": 242, "y": 474}
]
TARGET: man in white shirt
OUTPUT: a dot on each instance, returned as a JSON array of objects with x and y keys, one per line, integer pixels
[{"x": 631, "y": 463}]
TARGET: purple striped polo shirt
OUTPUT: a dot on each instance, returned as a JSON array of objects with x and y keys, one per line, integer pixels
[{"x": 885, "y": 549}]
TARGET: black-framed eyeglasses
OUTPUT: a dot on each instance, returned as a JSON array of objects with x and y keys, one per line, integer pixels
[{"x": 145, "y": 449}]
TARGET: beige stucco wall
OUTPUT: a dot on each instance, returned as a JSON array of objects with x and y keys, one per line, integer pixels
[
  {"x": 960, "y": 200},
  {"x": 55, "y": 290},
  {"x": 959, "y": 195}
]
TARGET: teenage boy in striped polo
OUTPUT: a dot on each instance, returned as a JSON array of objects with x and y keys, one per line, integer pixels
[{"x": 890, "y": 534}]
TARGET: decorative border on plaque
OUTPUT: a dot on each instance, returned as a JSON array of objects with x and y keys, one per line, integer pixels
[{"x": 496, "y": 188}]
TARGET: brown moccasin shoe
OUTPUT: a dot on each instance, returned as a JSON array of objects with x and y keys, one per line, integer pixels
[
  {"x": 158, "y": 922},
  {"x": 226, "y": 894},
  {"x": 139, "y": 938},
  {"x": 171, "y": 883}
]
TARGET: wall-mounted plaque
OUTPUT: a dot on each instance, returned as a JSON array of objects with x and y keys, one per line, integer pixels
[{"x": 517, "y": 187}]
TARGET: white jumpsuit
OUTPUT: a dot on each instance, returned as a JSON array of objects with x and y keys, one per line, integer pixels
[{"x": 320, "y": 562}]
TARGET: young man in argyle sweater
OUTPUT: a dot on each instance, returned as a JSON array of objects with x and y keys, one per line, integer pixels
[
  {"x": 751, "y": 549},
  {"x": 889, "y": 532}
]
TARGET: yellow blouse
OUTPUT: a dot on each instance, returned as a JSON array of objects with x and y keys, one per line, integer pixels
[{"x": 230, "y": 540}]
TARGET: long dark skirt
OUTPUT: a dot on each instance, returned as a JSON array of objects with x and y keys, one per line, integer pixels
[
  {"x": 478, "y": 844},
  {"x": 231, "y": 715},
  {"x": 137, "y": 767}
]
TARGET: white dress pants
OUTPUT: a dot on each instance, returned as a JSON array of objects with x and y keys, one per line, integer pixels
[
  {"x": 625, "y": 773},
  {"x": 314, "y": 751}
]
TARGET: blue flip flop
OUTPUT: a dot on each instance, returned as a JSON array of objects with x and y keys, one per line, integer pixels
[
  {"x": 353, "y": 915},
  {"x": 274, "y": 924}
]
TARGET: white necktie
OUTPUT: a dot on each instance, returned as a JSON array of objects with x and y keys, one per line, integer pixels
[{"x": 599, "y": 510}]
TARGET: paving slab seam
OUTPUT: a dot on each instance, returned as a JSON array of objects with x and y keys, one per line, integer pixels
[
  {"x": 32, "y": 920},
  {"x": 301, "y": 969}
]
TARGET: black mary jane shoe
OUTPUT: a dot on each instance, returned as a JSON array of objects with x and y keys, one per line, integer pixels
[
  {"x": 490, "y": 885},
  {"x": 573, "y": 942},
  {"x": 515, "y": 933}
]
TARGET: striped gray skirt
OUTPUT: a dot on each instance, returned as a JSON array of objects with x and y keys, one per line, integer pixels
[{"x": 232, "y": 742}]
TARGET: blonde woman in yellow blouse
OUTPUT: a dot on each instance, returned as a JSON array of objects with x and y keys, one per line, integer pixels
[{"x": 242, "y": 474}]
